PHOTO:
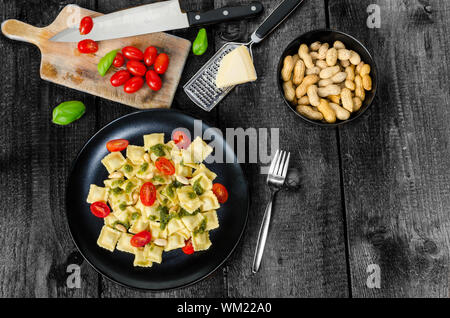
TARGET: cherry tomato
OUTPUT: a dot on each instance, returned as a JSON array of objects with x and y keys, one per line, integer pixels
[
  {"x": 136, "y": 68},
  {"x": 165, "y": 166},
  {"x": 181, "y": 139},
  {"x": 141, "y": 239},
  {"x": 87, "y": 46},
  {"x": 119, "y": 60},
  {"x": 153, "y": 80},
  {"x": 117, "y": 145},
  {"x": 161, "y": 63},
  {"x": 148, "y": 194},
  {"x": 86, "y": 25},
  {"x": 100, "y": 209},
  {"x": 133, "y": 85},
  {"x": 150, "y": 55},
  {"x": 221, "y": 192},
  {"x": 133, "y": 53},
  {"x": 188, "y": 248},
  {"x": 120, "y": 77}
]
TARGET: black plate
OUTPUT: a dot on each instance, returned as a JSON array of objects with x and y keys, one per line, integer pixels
[
  {"x": 351, "y": 43},
  {"x": 176, "y": 269}
]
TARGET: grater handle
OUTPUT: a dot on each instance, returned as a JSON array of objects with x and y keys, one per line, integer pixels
[
  {"x": 225, "y": 14},
  {"x": 275, "y": 19}
]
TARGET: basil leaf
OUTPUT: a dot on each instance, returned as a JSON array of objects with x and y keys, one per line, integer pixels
[
  {"x": 67, "y": 112},
  {"x": 106, "y": 62},
  {"x": 200, "y": 44}
]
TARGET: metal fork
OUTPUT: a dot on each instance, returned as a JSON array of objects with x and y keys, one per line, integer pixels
[{"x": 275, "y": 180}]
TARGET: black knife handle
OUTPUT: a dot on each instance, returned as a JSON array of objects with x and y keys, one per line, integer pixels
[
  {"x": 275, "y": 19},
  {"x": 225, "y": 14}
]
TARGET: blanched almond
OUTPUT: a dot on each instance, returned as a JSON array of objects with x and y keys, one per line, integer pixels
[
  {"x": 121, "y": 228},
  {"x": 116, "y": 175},
  {"x": 182, "y": 179},
  {"x": 160, "y": 242}
]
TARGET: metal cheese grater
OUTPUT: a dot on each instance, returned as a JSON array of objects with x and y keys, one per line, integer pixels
[{"x": 201, "y": 88}]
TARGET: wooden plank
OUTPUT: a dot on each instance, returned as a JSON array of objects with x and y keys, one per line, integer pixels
[
  {"x": 212, "y": 286},
  {"x": 395, "y": 159},
  {"x": 36, "y": 156},
  {"x": 304, "y": 255},
  {"x": 194, "y": 63}
]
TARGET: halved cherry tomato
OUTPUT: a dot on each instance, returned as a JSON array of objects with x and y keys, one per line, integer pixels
[
  {"x": 188, "y": 248},
  {"x": 141, "y": 239},
  {"x": 86, "y": 25},
  {"x": 150, "y": 55},
  {"x": 133, "y": 85},
  {"x": 100, "y": 209},
  {"x": 119, "y": 60},
  {"x": 87, "y": 46},
  {"x": 153, "y": 80},
  {"x": 117, "y": 145},
  {"x": 221, "y": 192},
  {"x": 133, "y": 53},
  {"x": 148, "y": 194},
  {"x": 136, "y": 68},
  {"x": 181, "y": 139},
  {"x": 120, "y": 77},
  {"x": 161, "y": 63},
  {"x": 165, "y": 166}
]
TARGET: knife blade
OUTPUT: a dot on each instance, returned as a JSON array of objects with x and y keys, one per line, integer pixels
[{"x": 155, "y": 17}]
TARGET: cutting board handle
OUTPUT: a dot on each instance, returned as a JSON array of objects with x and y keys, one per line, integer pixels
[{"x": 20, "y": 31}]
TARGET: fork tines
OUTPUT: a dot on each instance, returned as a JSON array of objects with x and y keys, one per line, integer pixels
[{"x": 280, "y": 164}]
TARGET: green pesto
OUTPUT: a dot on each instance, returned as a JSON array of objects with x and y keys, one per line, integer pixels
[
  {"x": 158, "y": 150},
  {"x": 158, "y": 179},
  {"x": 117, "y": 191},
  {"x": 183, "y": 213},
  {"x": 135, "y": 216},
  {"x": 130, "y": 186},
  {"x": 201, "y": 228},
  {"x": 118, "y": 182},
  {"x": 128, "y": 168},
  {"x": 170, "y": 190},
  {"x": 192, "y": 195},
  {"x": 144, "y": 167},
  {"x": 177, "y": 184},
  {"x": 164, "y": 216},
  {"x": 197, "y": 187}
]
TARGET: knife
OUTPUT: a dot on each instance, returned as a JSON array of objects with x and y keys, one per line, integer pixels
[{"x": 155, "y": 17}]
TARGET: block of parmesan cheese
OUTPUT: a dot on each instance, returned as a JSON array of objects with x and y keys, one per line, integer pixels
[{"x": 236, "y": 68}]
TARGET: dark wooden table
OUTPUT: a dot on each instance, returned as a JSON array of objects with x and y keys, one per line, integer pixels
[{"x": 374, "y": 194}]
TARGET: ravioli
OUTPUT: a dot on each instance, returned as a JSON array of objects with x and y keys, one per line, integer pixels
[{"x": 182, "y": 212}]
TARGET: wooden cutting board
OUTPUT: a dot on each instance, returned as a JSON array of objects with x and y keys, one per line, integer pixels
[{"x": 63, "y": 64}]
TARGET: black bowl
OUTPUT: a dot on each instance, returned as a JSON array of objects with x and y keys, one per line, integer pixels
[
  {"x": 177, "y": 269},
  {"x": 330, "y": 36}
]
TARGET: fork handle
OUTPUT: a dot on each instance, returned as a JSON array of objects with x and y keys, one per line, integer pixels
[
  {"x": 262, "y": 236},
  {"x": 283, "y": 10}
]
